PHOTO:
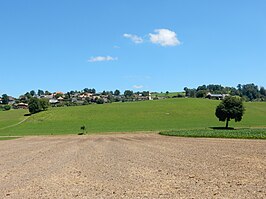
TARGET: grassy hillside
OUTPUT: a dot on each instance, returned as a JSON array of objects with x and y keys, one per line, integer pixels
[
  {"x": 11, "y": 117},
  {"x": 170, "y": 114}
]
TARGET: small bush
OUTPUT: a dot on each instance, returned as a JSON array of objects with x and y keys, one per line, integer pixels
[
  {"x": 83, "y": 128},
  {"x": 6, "y": 107},
  {"x": 85, "y": 102},
  {"x": 100, "y": 101}
]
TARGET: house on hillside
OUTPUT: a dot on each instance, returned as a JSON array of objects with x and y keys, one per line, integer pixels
[
  {"x": 150, "y": 98},
  {"x": 11, "y": 100},
  {"x": 216, "y": 96},
  {"x": 140, "y": 97},
  {"x": 85, "y": 95},
  {"x": 58, "y": 94},
  {"x": 47, "y": 96},
  {"x": 60, "y": 98},
  {"x": 74, "y": 99},
  {"x": 20, "y": 106},
  {"x": 53, "y": 101}
]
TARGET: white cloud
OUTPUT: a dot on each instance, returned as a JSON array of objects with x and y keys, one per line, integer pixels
[
  {"x": 136, "y": 39},
  {"x": 138, "y": 86},
  {"x": 102, "y": 58},
  {"x": 164, "y": 37}
]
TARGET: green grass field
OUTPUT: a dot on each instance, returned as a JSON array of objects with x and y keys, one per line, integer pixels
[
  {"x": 233, "y": 133},
  {"x": 160, "y": 115},
  {"x": 11, "y": 117}
]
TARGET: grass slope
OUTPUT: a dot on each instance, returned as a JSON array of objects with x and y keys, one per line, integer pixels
[
  {"x": 161, "y": 115},
  {"x": 12, "y": 117}
]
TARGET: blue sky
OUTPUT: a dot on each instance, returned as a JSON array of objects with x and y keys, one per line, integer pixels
[{"x": 140, "y": 45}]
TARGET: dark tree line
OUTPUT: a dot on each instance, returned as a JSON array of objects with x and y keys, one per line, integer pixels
[{"x": 249, "y": 92}]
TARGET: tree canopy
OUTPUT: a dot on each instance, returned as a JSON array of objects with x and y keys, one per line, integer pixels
[
  {"x": 128, "y": 93},
  {"x": 36, "y": 105},
  {"x": 117, "y": 92},
  {"x": 249, "y": 92},
  {"x": 230, "y": 108},
  {"x": 5, "y": 99}
]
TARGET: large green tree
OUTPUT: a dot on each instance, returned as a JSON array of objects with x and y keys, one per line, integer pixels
[
  {"x": 44, "y": 103},
  {"x": 250, "y": 91},
  {"x": 117, "y": 92},
  {"x": 40, "y": 92},
  {"x": 32, "y": 93},
  {"x": 34, "y": 105},
  {"x": 5, "y": 99},
  {"x": 262, "y": 91},
  {"x": 230, "y": 108},
  {"x": 128, "y": 93}
]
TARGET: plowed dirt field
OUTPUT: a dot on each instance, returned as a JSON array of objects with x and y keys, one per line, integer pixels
[{"x": 132, "y": 166}]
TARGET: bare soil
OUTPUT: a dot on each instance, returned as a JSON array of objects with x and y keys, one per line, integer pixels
[{"x": 132, "y": 166}]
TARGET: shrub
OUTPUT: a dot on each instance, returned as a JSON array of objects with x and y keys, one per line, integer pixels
[
  {"x": 85, "y": 102},
  {"x": 201, "y": 94},
  {"x": 6, "y": 107},
  {"x": 100, "y": 101}
]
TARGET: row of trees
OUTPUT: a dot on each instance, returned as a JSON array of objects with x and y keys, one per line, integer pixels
[{"x": 249, "y": 92}]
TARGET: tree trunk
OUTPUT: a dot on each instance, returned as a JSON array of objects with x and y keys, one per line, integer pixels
[{"x": 227, "y": 120}]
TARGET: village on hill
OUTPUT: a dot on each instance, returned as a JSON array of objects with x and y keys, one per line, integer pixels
[
  {"x": 249, "y": 92},
  {"x": 74, "y": 98}
]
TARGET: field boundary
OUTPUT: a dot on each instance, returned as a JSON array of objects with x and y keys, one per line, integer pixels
[{"x": 243, "y": 133}]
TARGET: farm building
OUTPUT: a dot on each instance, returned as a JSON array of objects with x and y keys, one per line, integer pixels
[
  {"x": 216, "y": 96},
  {"x": 53, "y": 101},
  {"x": 21, "y": 106}
]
